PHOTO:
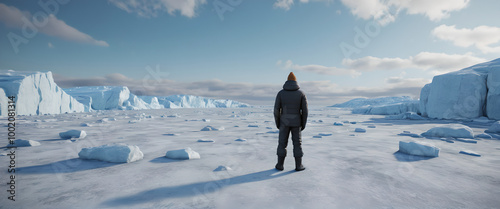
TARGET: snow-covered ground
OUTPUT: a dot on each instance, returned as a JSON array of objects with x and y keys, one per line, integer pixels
[{"x": 344, "y": 170}]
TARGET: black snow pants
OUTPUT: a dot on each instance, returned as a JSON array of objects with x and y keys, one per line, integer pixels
[{"x": 296, "y": 140}]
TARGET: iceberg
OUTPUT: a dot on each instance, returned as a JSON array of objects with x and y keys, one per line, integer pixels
[
  {"x": 189, "y": 101},
  {"x": 24, "y": 143},
  {"x": 182, "y": 154},
  {"x": 450, "y": 130},
  {"x": 35, "y": 93},
  {"x": 78, "y": 134},
  {"x": 102, "y": 97},
  {"x": 494, "y": 128},
  {"x": 418, "y": 148},
  {"x": 465, "y": 94},
  {"x": 382, "y": 105},
  {"x": 119, "y": 153},
  {"x": 382, "y": 101}
]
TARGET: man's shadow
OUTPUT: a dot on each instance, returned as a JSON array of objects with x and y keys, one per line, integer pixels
[{"x": 192, "y": 190}]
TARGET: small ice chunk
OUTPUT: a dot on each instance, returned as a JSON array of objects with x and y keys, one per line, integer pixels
[
  {"x": 484, "y": 136},
  {"x": 253, "y": 125},
  {"x": 104, "y": 120},
  {"x": 405, "y": 116},
  {"x": 171, "y": 134},
  {"x": 469, "y": 152},
  {"x": 273, "y": 132},
  {"x": 174, "y": 116},
  {"x": 211, "y": 128},
  {"x": 450, "y": 130},
  {"x": 182, "y": 154},
  {"x": 323, "y": 134},
  {"x": 79, "y": 134},
  {"x": 495, "y": 128},
  {"x": 269, "y": 127},
  {"x": 317, "y": 136},
  {"x": 206, "y": 140},
  {"x": 205, "y": 120},
  {"x": 222, "y": 168},
  {"x": 407, "y": 133},
  {"x": 116, "y": 153},
  {"x": 466, "y": 140},
  {"x": 24, "y": 143},
  {"x": 345, "y": 121},
  {"x": 85, "y": 124},
  {"x": 338, "y": 124},
  {"x": 360, "y": 130},
  {"x": 418, "y": 148},
  {"x": 372, "y": 126},
  {"x": 240, "y": 140}
]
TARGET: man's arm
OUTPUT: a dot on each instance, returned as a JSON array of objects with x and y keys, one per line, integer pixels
[
  {"x": 305, "y": 111},
  {"x": 277, "y": 110}
]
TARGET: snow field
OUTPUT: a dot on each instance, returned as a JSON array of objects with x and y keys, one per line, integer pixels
[{"x": 362, "y": 171}]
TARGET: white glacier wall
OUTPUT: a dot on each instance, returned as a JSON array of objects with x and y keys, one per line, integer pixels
[
  {"x": 189, "y": 101},
  {"x": 382, "y": 105},
  {"x": 36, "y": 93},
  {"x": 3, "y": 102},
  {"x": 493, "y": 99},
  {"x": 465, "y": 94},
  {"x": 381, "y": 101},
  {"x": 152, "y": 102},
  {"x": 119, "y": 97},
  {"x": 102, "y": 97},
  {"x": 391, "y": 109}
]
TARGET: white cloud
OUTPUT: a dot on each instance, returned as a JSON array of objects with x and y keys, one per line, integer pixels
[
  {"x": 370, "y": 63},
  {"x": 443, "y": 63},
  {"x": 434, "y": 10},
  {"x": 49, "y": 25},
  {"x": 283, "y": 4},
  {"x": 151, "y": 8},
  {"x": 318, "y": 69},
  {"x": 482, "y": 37},
  {"x": 437, "y": 63},
  {"x": 287, "y": 4},
  {"x": 367, "y": 9},
  {"x": 385, "y": 11}
]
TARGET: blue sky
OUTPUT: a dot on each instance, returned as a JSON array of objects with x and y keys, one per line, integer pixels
[{"x": 244, "y": 49}]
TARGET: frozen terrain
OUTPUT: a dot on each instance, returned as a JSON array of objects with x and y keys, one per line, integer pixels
[{"x": 345, "y": 169}]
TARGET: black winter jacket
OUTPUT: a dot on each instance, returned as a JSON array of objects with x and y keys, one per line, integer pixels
[{"x": 290, "y": 107}]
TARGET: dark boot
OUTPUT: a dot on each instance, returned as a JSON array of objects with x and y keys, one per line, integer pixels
[
  {"x": 298, "y": 164},
  {"x": 279, "y": 165}
]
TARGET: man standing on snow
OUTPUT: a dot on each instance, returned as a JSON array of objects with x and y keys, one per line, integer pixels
[{"x": 290, "y": 115}]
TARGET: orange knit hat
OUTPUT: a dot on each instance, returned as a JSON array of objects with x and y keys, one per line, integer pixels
[{"x": 291, "y": 77}]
